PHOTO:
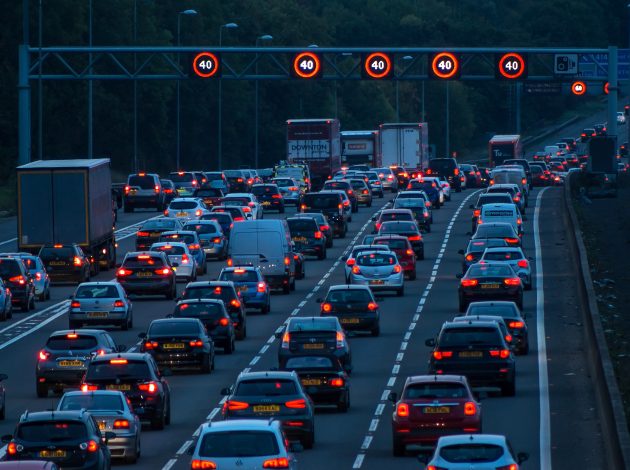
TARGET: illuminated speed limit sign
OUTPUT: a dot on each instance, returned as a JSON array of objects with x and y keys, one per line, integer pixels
[
  {"x": 511, "y": 66},
  {"x": 578, "y": 88},
  {"x": 306, "y": 65},
  {"x": 206, "y": 65},
  {"x": 377, "y": 65},
  {"x": 444, "y": 65}
]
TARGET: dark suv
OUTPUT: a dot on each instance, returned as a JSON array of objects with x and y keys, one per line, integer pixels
[
  {"x": 307, "y": 237},
  {"x": 346, "y": 186},
  {"x": 148, "y": 272},
  {"x": 329, "y": 204},
  {"x": 17, "y": 279},
  {"x": 269, "y": 197},
  {"x": 446, "y": 167},
  {"x": 144, "y": 190},
  {"x": 70, "y": 439},
  {"x": 214, "y": 316}
]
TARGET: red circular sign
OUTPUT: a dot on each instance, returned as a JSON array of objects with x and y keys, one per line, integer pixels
[
  {"x": 578, "y": 88},
  {"x": 445, "y": 65},
  {"x": 512, "y": 65},
  {"x": 377, "y": 65},
  {"x": 206, "y": 64},
  {"x": 306, "y": 65}
]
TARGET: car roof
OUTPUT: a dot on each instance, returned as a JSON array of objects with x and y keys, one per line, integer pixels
[
  {"x": 472, "y": 439},
  {"x": 82, "y": 331},
  {"x": 498, "y": 205},
  {"x": 185, "y": 199},
  {"x": 210, "y": 284},
  {"x": 349, "y": 287},
  {"x": 52, "y": 416},
  {"x": 178, "y": 320},
  {"x": 494, "y": 303},
  {"x": 390, "y": 236},
  {"x": 470, "y": 324},
  {"x": 241, "y": 425},
  {"x": 99, "y": 283},
  {"x": 479, "y": 318},
  {"x": 415, "y": 379},
  {"x": 504, "y": 248},
  {"x": 396, "y": 210}
]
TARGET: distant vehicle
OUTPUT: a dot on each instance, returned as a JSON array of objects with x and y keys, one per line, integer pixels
[
  {"x": 405, "y": 144},
  {"x": 448, "y": 169},
  {"x": 490, "y": 280},
  {"x": 144, "y": 190},
  {"x": 66, "y": 263},
  {"x": 621, "y": 117},
  {"x": 502, "y": 147},
  {"x": 361, "y": 147},
  {"x": 587, "y": 133},
  {"x": 185, "y": 182},
  {"x": 600, "y": 129}
]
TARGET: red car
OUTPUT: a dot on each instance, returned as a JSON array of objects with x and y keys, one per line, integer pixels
[
  {"x": 430, "y": 407},
  {"x": 404, "y": 252}
]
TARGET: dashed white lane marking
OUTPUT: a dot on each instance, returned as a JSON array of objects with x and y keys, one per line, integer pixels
[
  {"x": 184, "y": 447},
  {"x": 169, "y": 464}
]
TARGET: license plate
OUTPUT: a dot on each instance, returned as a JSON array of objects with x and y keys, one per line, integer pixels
[
  {"x": 173, "y": 345},
  {"x": 182, "y": 214},
  {"x": 57, "y": 263},
  {"x": 102, "y": 425},
  {"x": 97, "y": 314},
  {"x": 377, "y": 282},
  {"x": 314, "y": 346},
  {"x": 266, "y": 203},
  {"x": 51, "y": 454},
  {"x": 241, "y": 288},
  {"x": 154, "y": 235},
  {"x": 471, "y": 354},
  {"x": 436, "y": 409},
  {"x": 266, "y": 408},
  {"x": 145, "y": 274},
  {"x": 121, "y": 387},
  {"x": 350, "y": 321},
  {"x": 307, "y": 382},
  {"x": 300, "y": 239},
  {"x": 489, "y": 286},
  {"x": 70, "y": 363}
]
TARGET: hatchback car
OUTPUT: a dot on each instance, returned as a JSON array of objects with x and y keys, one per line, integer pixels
[
  {"x": 37, "y": 270},
  {"x": 345, "y": 186},
  {"x": 289, "y": 189},
  {"x": 307, "y": 237},
  {"x": 490, "y": 281},
  {"x": 250, "y": 286},
  {"x": 391, "y": 215},
  {"x": 100, "y": 303},
  {"x": 237, "y": 181},
  {"x": 475, "y": 249},
  {"x": 498, "y": 230},
  {"x": 404, "y": 252},
  {"x": 150, "y": 231},
  {"x": 269, "y": 197},
  {"x": 215, "y": 318},
  {"x": 186, "y": 208},
  {"x": 183, "y": 262},
  {"x": 483, "y": 199},
  {"x": 185, "y": 182},
  {"x": 247, "y": 202},
  {"x": 144, "y": 190},
  {"x": 322, "y": 222},
  {"x": 138, "y": 377},
  {"x": 434, "y": 192},
  {"x": 211, "y": 237},
  {"x": 350, "y": 260},
  {"x": 179, "y": 343},
  {"x": 66, "y": 263},
  {"x": 170, "y": 192},
  {"x": 190, "y": 238},
  {"x": 272, "y": 394},
  {"x": 354, "y": 306},
  {"x": 375, "y": 184},
  {"x": 421, "y": 214},
  {"x": 362, "y": 191},
  {"x": 509, "y": 311},
  {"x": 147, "y": 273},
  {"x": 405, "y": 229},
  {"x": 16, "y": 278},
  {"x": 224, "y": 219},
  {"x": 431, "y": 406},
  {"x": 378, "y": 270},
  {"x": 209, "y": 195},
  {"x": 513, "y": 256},
  {"x": 388, "y": 179},
  {"x": 112, "y": 414},
  {"x": 65, "y": 357}
]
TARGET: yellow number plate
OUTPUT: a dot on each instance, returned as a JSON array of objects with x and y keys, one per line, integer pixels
[
  {"x": 146, "y": 274},
  {"x": 241, "y": 288},
  {"x": 471, "y": 354},
  {"x": 266, "y": 203},
  {"x": 314, "y": 346},
  {"x": 489, "y": 286},
  {"x": 311, "y": 382},
  {"x": 351, "y": 321},
  {"x": 71, "y": 363},
  {"x": 102, "y": 425},
  {"x": 266, "y": 408},
  {"x": 173, "y": 345},
  {"x": 51, "y": 454},
  {"x": 97, "y": 314},
  {"x": 377, "y": 282},
  {"x": 57, "y": 263},
  {"x": 437, "y": 409},
  {"x": 121, "y": 387},
  {"x": 300, "y": 239},
  {"x": 182, "y": 214}
]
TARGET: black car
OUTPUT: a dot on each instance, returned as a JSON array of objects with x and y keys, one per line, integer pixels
[
  {"x": 490, "y": 281},
  {"x": 329, "y": 204},
  {"x": 269, "y": 197},
  {"x": 323, "y": 379},
  {"x": 307, "y": 237},
  {"x": 345, "y": 186},
  {"x": 221, "y": 290},
  {"x": 511, "y": 314},
  {"x": 600, "y": 129},
  {"x": 468, "y": 171},
  {"x": 65, "y": 358},
  {"x": 16, "y": 278},
  {"x": 66, "y": 263},
  {"x": 138, "y": 377},
  {"x": 148, "y": 273},
  {"x": 406, "y": 229},
  {"x": 224, "y": 218},
  {"x": 354, "y": 306},
  {"x": 476, "y": 350},
  {"x": 475, "y": 250},
  {"x": 150, "y": 231},
  {"x": 446, "y": 167},
  {"x": 209, "y": 195},
  {"x": 586, "y": 134},
  {"x": 402, "y": 175},
  {"x": 70, "y": 439},
  {"x": 170, "y": 192},
  {"x": 179, "y": 342},
  {"x": 214, "y": 316},
  {"x": 272, "y": 394},
  {"x": 322, "y": 221},
  {"x": 237, "y": 181}
]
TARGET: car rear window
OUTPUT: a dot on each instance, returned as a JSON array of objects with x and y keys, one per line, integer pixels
[
  {"x": 97, "y": 292},
  {"x": 392, "y": 243},
  {"x": 481, "y": 245},
  {"x": 394, "y": 227},
  {"x": 170, "y": 249},
  {"x": 502, "y": 256},
  {"x": 442, "y": 164},
  {"x": 208, "y": 192},
  {"x": 51, "y": 253},
  {"x": 69, "y": 343},
  {"x": 495, "y": 269},
  {"x": 424, "y": 185},
  {"x": 321, "y": 201},
  {"x": 130, "y": 370},
  {"x": 234, "y": 211},
  {"x": 180, "y": 237},
  {"x": 52, "y": 431},
  {"x": 201, "y": 228},
  {"x": 471, "y": 453},
  {"x": 30, "y": 262},
  {"x": 309, "y": 362},
  {"x": 435, "y": 390},
  {"x": 509, "y": 191},
  {"x": 409, "y": 203},
  {"x": 9, "y": 268},
  {"x": 183, "y": 205},
  {"x": 164, "y": 328},
  {"x": 218, "y": 216},
  {"x": 91, "y": 401},
  {"x": 181, "y": 178},
  {"x": 143, "y": 261},
  {"x": 201, "y": 310},
  {"x": 284, "y": 182},
  {"x": 266, "y": 387},
  {"x": 312, "y": 324},
  {"x": 262, "y": 190},
  {"x": 233, "y": 173},
  {"x": 302, "y": 225},
  {"x": 376, "y": 259},
  {"x": 342, "y": 185},
  {"x": 235, "y": 201},
  {"x": 160, "y": 224},
  {"x": 214, "y": 176},
  {"x": 387, "y": 216},
  {"x": 349, "y": 296},
  {"x": 144, "y": 182},
  {"x": 470, "y": 337},
  {"x": 494, "y": 231},
  {"x": 238, "y": 444},
  {"x": 239, "y": 275},
  {"x": 496, "y": 310},
  {"x": 357, "y": 184},
  {"x": 494, "y": 199},
  {"x": 209, "y": 292}
]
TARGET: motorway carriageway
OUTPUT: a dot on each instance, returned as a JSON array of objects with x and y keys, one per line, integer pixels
[{"x": 565, "y": 436}]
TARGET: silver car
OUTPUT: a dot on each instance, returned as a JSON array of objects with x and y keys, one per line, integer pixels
[
  {"x": 100, "y": 303},
  {"x": 375, "y": 183},
  {"x": 186, "y": 208},
  {"x": 289, "y": 188},
  {"x": 388, "y": 179},
  {"x": 356, "y": 250},
  {"x": 379, "y": 270},
  {"x": 513, "y": 256},
  {"x": 243, "y": 444},
  {"x": 37, "y": 270},
  {"x": 213, "y": 241},
  {"x": 181, "y": 259},
  {"x": 111, "y": 411}
]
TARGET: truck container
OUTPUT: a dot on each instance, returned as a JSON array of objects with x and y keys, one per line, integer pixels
[
  {"x": 317, "y": 143},
  {"x": 405, "y": 144},
  {"x": 503, "y": 147},
  {"x": 67, "y": 201},
  {"x": 361, "y": 148}
]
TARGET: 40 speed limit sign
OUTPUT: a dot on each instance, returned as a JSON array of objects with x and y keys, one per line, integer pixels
[{"x": 206, "y": 65}]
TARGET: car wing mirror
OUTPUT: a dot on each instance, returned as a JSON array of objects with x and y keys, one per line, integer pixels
[
  {"x": 461, "y": 252},
  {"x": 319, "y": 300},
  {"x": 459, "y": 275},
  {"x": 423, "y": 458},
  {"x": 430, "y": 342},
  {"x": 296, "y": 447},
  {"x": 226, "y": 391},
  {"x": 167, "y": 373},
  {"x": 121, "y": 348},
  {"x": 6, "y": 438},
  {"x": 142, "y": 335},
  {"x": 522, "y": 457},
  {"x": 393, "y": 397}
]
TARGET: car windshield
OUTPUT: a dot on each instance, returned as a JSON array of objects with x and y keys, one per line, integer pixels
[
  {"x": 51, "y": 253},
  {"x": 31, "y": 263},
  {"x": 238, "y": 444},
  {"x": 349, "y": 296},
  {"x": 201, "y": 310},
  {"x": 209, "y": 292},
  {"x": 124, "y": 369},
  {"x": 309, "y": 362},
  {"x": 143, "y": 261},
  {"x": 71, "y": 342},
  {"x": 183, "y": 205},
  {"x": 97, "y": 292},
  {"x": 160, "y": 224},
  {"x": 471, "y": 453},
  {"x": 376, "y": 259},
  {"x": 483, "y": 270},
  {"x": 91, "y": 401},
  {"x": 175, "y": 250},
  {"x": 302, "y": 225},
  {"x": 239, "y": 275},
  {"x": 201, "y": 228},
  {"x": 52, "y": 431},
  {"x": 435, "y": 390},
  {"x": 173, "y": 327},
  {"x": 143, "y": 182},
  {"x": 265, "y": 387}
]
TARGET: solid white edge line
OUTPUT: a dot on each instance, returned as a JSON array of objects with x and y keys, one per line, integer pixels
[
  {"x": 543, "y": 377},
  {"x": 8, "y": 241}
]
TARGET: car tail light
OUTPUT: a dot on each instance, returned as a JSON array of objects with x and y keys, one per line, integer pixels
[
  {"x": 77, "y": 261},
  {"x": 356, "y": 270},
  {"x": 166, "y": 212},
  {"x": 469, "y": 282},
  {"x": 402, "y": 410},
  {"x": 246, "y": 209},
  {"x": 377, "y": 225},
  {"x": 238, "y": 219},
  {"x": 18, "y": 280},
  {"x": 470, "y": 408},
  {"x": 456, "y": 171},
  {"x": 150, "y": 344},
  {"x": 75, "y": 304},
  {"x": 90, "y": 446},
  {"x": 476, "y": 213},
  {"x": 216, "y": 240},
  {"x": 512, "y": 466},
  {"x": 512, "y": 241},
  {"x": 224, "y": 322},
  {"x": 299, "y": 404},
  {"x": 12, "y": 448},
  {"x": 519, "y": 221},
  {"x": 341, "y": 340},
  {"x": 196, "y": 343},
  {"x": 121, "y": 424},
  {"x": 262, "y": 287},
  {"x": 390, "y": 177},
  {"x": 38, "y": 276},
  {"x": 194, "y": 182},
  {"x": 427, "y": 204},
  {"x": 287, "y": 261},
  {"x": 235, "y": 303},
  {"x": 346, "y": 202},
  {"x": 372, "y": 306},
  {"x": 142, "y": 234},
  {"x": 409, "y": 252},
  {"x": 516, "y": 324},
  {"x": 326, "y": 307},
  {"x": 150, "y": 387},
  {"x": 522, "y": 263},
  {"x": 318, "y": 235},
  {"x": 198, "y": 212},
  {"x": 516, "y": 198},
  {"x": 43, "y": 355},
  {"x": 127, "y": 189},
  {"x": 286, "y": 338},
  {"x": 276, "y": 196},
  {"x": 164, "y": 271},
  {"x": 185, "y": 259},
  {"x": 415, "y": 238},
  {"x": 502, "y": 353},
  {"x": 350, "y": 262},
  {"x": 88, "y": 388},
  {"x": 198, "y": 464},
  {"x": 469, "y": 257},
  {"x": 512, "y": 281},
  {"x": 119, "y": 304},
  {"x": 324, "y": 228},
  {"x": 230, "y": 262},
  {"x": 250, "y": 181},
  {"x": 491, "y": 182},
  {"x": 396, "y": 269},
  {"x": 279, "y": 462},
  {"x": 439, "y": 355}
]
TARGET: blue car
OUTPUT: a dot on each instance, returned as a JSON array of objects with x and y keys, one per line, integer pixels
[
  {"x": 224, "y": 219},
  {"x": 428, "y": 187},
  {"x": 251, "y": 286},
  {"x": 191, "y": 239},
  {"x": 213, "y": 241}
]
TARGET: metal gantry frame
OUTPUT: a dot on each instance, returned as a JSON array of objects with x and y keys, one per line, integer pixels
[{"x": 273, "y": 63}]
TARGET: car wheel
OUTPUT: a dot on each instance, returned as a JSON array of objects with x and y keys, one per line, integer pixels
[
  {"x": 281, "y": 210},
  {"x": 205, "y": 267},
  {"x": 48, "y": 294},
  {"x": 158, "y": 422},
  {"x": 381, "y": 195},
  {"x": 322, "y": 254},
  {"x": 342, "y": 406},
  {"x": 398, "y": 448},
  {"x": 412, "y": 275},
  {"x": 41, "y": 297},
  {"x": 3, "y": 412},
  {"x": 519, "y": 303},
  {"x": 286, "y": 288},
  {"x": 329, "y": 243},
  {"x": 529, "y": 285},
  {"x": 205, "y": 364},
  {"x": 292, "y": 282},
  {"x": 309, "y": 439},
  {"x": 266, "y": 308},
  {"x": 369, "y": 204},
  {"x": 421, "y": 255},
  {"x": 172, "y": 293},
  {"x": 229, "y": 346},
  {"x": 124, "y": 325},
  {"x": 400, "y": 292},
  {"x": 42, "y": 390},
  {"x": 508, "y": 389},
  {"x": 376, "y": 330}
]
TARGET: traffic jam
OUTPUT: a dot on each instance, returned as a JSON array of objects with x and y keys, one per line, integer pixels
[{"x": 194, "y": 290}]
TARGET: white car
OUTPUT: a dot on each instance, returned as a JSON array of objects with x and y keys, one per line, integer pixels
[
  {"x": 186, "y": 208},
  {"x": 514, "y": 256},
  {"x": 181, "y": 259},
  {"x": 446, "y": 187},
  {"x": 251, "y": 207}
]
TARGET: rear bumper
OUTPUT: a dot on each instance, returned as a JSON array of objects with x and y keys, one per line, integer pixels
[
  {"x": 143, "y": 287},
  {"x": 428, "y": 434},
  {"x": 142, "y": 201},
  {"x": 359, "y": 322}
]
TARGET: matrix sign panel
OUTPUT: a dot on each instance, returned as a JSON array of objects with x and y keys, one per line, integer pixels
[
  {"x": 444, "y": 65},
  {"x": 377, "y": 65},
  {"x": 511, "y": 66},
  {"x": 306, "y": 65}
]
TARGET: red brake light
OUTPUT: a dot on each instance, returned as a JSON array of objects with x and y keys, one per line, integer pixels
[
  {"x": 323, "y": 228},
  {"x": 18, "y": 279},
  {"x": 75, "y": 304},
  {"x": 512, "y": 281},
  {"x": 77, "y": 261},
  {"x": 456, "y": 171},
  {"x": 476, "y": 212},
  {"x": 224, "y": 322},
  {"x": 127, "y": 189},
  {"x": 512, "y": 241},
  {"x": 123, "y": 272},
  {"x": 287, "y": 261},
  {"x": 318, "y": 235},
  {"x": 470, "y": 408},
  {"x": 185, "y": 259},
  {"x": 372, "y": 306},
  {"x": 38, "y": 276},
  {"x": 235, "y": 303},
  {"x": 439, "y": 355},
  {"x": 157, "y": 189},
  {"x": 286, "y": 338},
  {"x": 469, "y": 282},
  {"x": 43, "y": 355},
  {"x": 402, "y": 410},
  {"x": 502, "y": 353},
  {"x": 397, "y": 269},
  {"x": 233, "y": 405},
  {"x": 356, "y": 270},
  {"x": 230, "y": 262},
  {"x": 409, "y": 252},
  {"x": 414, "y": 238},
  {"x": 197, "y": 464},
  {"x": 119, "y": 304},
  {"x": 121, "y": 424},
  {"x": 150, "y": 387},
  {"x": 522, "y": 263},
  {"x": 280, "y": 462},
  {"x": 118, "y": 361},
  {"x": 164, "y": 271},
  {"x": 516, "y": 324},
  {"x": 88, "y": 388},
  {"x": 198, "y": 212},
  {"x": 262, "y": 287},
  {"x": 350, "y": 262},
  {"x": 11, "y": 448},
  {"x": 150, "y": 345},
  {"x": 276, "y": 196},
  {"x": 142, "y": 234},
  {"x": 91, "y": 446},
  {"x": 326, "y": 307},
  {"x": 300, "y": 404},
  {"x": 336, "y": 382},
  {"x": 196, "y": 343}
]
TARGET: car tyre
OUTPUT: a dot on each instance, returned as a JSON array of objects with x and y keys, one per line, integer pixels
[
  {"x": 462, "y": 305},
  {"x": 42, "y": 390},
  {"x": 519, "y": 303},
  {"x": 158, "y": 422},
  {"x": 398, "y": 449},
  {"x": 172, "y": 293},
  {"x": 26, "y": 306},
  {"x": 286, "y": 288},
  {"x": 508, "y": 389},
  {"x": 529, "y": 286},
  {"x": 229, "y": 346},
  {"x": 309, "y": 439},
  {"x": 329, "y": 243},
  {"x": 322, "y": 254},
  {"x": 206, "y": 367},
  {"x": 413, "y": 275},
  {"x": 376, "y": 331},
  {"x": 400, "y": 292},
  {"x": 266, "y": 308},
  {"x": 344, "y": 404}
]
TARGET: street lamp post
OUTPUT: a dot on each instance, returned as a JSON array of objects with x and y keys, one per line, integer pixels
[
  {"x": 90, "y": 107},
  {"x": 447, "y": 125},
  {"x": 220, "y": 111},
  {"x": 179, "y": 27},
  {"x": 264, "y": 37},
  {"x": 40, "y": 90},
  {"x": 344, "y": 54},
  {"x": 407, "y": 57}
]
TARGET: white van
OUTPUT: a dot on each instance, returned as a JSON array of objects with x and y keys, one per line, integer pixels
[
  {"x": 553, "y": 150},
  {"x": 514, "y": 175},
  {"x": 506, "y": 213},
  {"x": 264, "y": 243}
]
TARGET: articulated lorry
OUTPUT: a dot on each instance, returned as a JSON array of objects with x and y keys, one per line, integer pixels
[{"x": 405, "y": 144}]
